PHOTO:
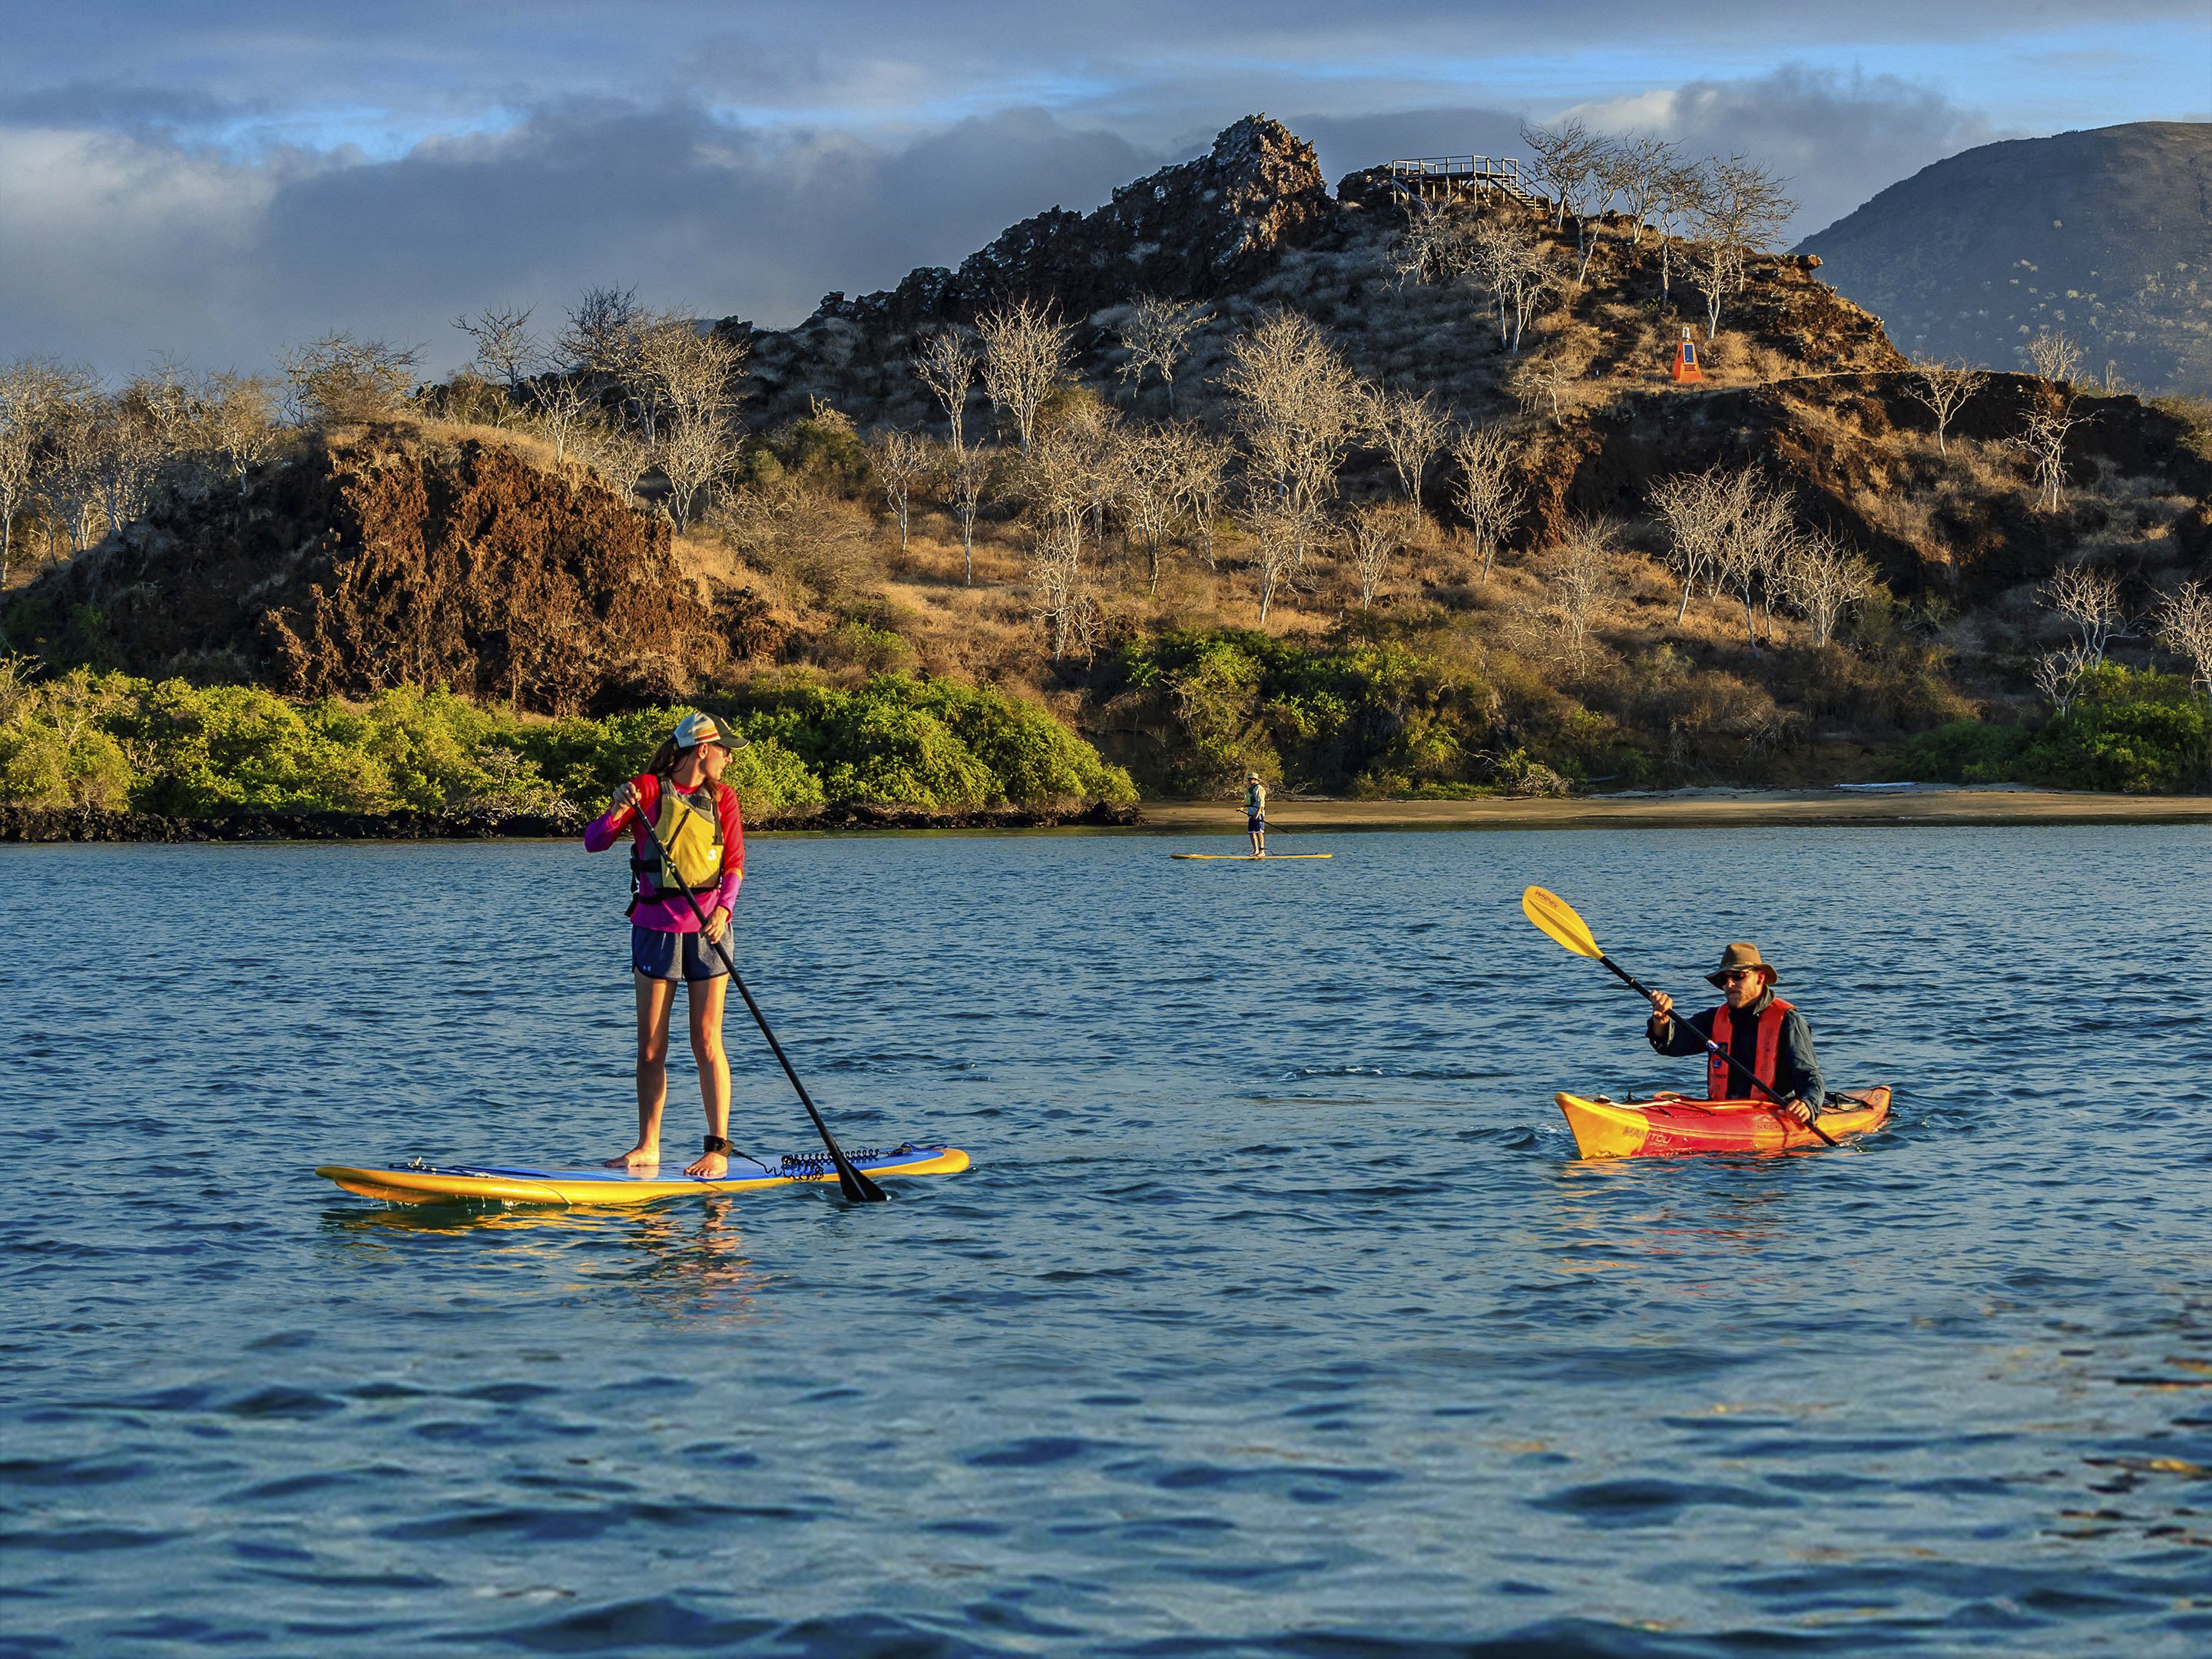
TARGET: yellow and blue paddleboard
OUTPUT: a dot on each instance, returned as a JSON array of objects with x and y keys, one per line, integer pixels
[
  {"x": 417, "y": 1183},
  {"x": 1251, "y": 857}
]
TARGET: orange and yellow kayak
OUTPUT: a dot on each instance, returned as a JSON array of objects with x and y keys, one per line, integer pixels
[{"x": 1670, "y": 1125}]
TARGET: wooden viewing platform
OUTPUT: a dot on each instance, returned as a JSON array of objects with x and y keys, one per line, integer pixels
[{"x": 1429, "y": 180}]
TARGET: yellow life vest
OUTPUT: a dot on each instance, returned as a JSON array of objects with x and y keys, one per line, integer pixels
[{"x": 690, "y": 837}]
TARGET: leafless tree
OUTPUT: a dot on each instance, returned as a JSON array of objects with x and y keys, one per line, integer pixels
[
  {"x": 1434, "y": 247},
  {"x": 565, "y": 400},
  {"x": 1487, "y": 495},
  {"x": 961, "y": 474},
  {"x": 1944, "y": 387},
  {"x": 1742, "y": 209},
  {"x": 1759, "y": 525},
  {"x": 1512, "y": 263},
  {"x": 677, "y": 370},
  {"x": 1297, "y": 408},
  {"x": 1152, "y": 463},
  {"x": 1607, "y": 173},
  {"x": 697, "y": 448},
  {"x": 1157, "y": 336},
  {"x": 1694, "y": 507},
  {"x": 1541, "y": 379},
  {"x": 1730, "y": 528},
  {"x": 1373, "y": 535},
  {"x": 1284, "y": 529},
  {"x": 1061, "y": 589},
  {"x": 1201, "y": 476},
  {"x": 2088, "y": 600},
  {"x": 2059, "y": 674},
  {"x": 1058, "y": 480},
  {"x": 947, "y": 364},
  {"x": 2043, "y": 440},
  {"x": 2056, "y": 355},
  {"x": 2184, "y": 620},
  {"x": 1025, "y": 355},
  {"x": 30, "y": 394},
  {"x": 601, "y": 334},
  {"x": 343, "y": 378},
  {"x": 128, "y": 451},
  {"x": 1677, "y": 201},
  {"x": 1824, "y": 579},
  {"x": 1411, "y": 430},
  {"x": 901, "y": 461},
  {"x": 1582, "y": 574},
  {"x": 616, "y": 452},
  {"x": 1566, "y": 163},
  {"x": 506, "y": 352},
  {"x": 241, "y": 425},
  {"x": 69, "y": 474},
  {"x": 1636, "y": 171}
]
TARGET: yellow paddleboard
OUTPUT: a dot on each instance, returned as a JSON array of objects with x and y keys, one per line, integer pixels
[
  {"x": 1251, "y": 857},
  {"x": 498, "y": 1183}
]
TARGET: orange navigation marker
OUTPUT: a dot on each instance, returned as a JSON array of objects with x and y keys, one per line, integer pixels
[{"x": 1685, "y": 367}]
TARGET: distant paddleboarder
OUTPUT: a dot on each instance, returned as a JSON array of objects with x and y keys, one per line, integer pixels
[
  {"x": 694, "y": 815},
  {"x": 1255, "y": 813}
]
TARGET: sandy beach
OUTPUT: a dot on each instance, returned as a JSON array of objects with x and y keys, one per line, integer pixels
[{"x": 1911, "y": 804}]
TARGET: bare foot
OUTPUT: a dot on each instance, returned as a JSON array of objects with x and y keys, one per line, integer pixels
[
  {"x": 637, "y": 1157},
  {"x": 713, "y": 1165}
]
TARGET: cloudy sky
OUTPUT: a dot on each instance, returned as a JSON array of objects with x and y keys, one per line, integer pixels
[{"x": 213, "y": 178}]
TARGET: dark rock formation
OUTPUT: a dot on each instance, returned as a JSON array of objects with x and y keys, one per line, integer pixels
[
  {"x": 378, "y": 557},
  {"x": 1188, "y": 232},
  {"x": 1185, "y": 232}
]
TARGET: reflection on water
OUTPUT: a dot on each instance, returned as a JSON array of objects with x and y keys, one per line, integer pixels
[
  {"x": 1275, "y": 1317},
  {"x": 683, "y": 1260}
]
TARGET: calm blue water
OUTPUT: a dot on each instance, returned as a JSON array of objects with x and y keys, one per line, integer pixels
[{"x": 1275, "y": 1317}]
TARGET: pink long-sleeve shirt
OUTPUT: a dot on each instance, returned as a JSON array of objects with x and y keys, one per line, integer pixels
[{"x": 671, "y": 914}]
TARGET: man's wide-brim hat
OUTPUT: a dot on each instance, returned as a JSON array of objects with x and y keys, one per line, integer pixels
[{"x": 1738, "y": 956}]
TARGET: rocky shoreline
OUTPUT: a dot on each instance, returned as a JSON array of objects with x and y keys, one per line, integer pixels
[{"x": 42, "y": 824}]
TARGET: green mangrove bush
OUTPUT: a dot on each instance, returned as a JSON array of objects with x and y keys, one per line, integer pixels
[
  {"x": 108, "y": 741},
  {"x": 2130, "y": 732}
]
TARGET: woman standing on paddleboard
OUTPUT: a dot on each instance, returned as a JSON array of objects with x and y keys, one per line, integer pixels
[{"x": 693, "y": 814}]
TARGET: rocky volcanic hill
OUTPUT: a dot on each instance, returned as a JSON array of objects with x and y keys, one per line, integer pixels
[
  {"x": 386, "y": 555},
  {"x": 2106, "y": 235}
]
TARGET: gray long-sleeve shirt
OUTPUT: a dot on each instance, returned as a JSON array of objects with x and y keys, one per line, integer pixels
[{"x": 1796, "y": 1072}]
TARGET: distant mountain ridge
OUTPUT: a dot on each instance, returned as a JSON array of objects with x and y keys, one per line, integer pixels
[{"x": 2105, "y": 234}]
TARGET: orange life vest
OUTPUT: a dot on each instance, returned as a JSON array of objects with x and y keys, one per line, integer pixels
[{"x": 1721, "y": 1080}]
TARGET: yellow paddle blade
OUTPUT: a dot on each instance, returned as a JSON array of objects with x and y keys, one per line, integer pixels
[{"x": 1557, "y": 917}]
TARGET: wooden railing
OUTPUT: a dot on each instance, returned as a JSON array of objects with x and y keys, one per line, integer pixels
[{"x": 1446, "y": 178}]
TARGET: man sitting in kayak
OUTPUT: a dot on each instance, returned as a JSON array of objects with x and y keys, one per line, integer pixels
[{"x": 1757, "y": 1028}]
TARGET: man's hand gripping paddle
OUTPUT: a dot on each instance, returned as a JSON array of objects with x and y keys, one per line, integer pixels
[
  {"x": 856, "y": 1187},
  {"x": 1555, "y": 917}
]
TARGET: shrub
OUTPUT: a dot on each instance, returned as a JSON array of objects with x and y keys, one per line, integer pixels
[
  {"x": 97, "y": 740},
  {"x": 2139, "y": 734}
]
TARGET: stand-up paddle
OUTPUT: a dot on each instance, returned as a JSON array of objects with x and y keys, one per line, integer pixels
[
  {"x": 856, "y": 1187},
  {"x": 1555, "y": 917}
]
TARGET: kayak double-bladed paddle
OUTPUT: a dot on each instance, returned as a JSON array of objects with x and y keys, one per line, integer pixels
[
  {"x": 856, "y": 1187},
  {"x": 1555, "y": 917}
]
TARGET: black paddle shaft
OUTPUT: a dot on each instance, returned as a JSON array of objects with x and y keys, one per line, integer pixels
[
  {"x": 856, "y": 1187},
  {"x": 1713, "y": 1048}
]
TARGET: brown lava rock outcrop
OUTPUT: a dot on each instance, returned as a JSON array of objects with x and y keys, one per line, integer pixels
[{"x": 373, "y": 557}]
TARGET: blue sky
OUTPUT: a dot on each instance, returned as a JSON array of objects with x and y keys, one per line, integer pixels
[{"x": 212, "y": 180}]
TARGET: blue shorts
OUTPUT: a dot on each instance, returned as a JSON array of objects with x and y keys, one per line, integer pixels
[
  {"x": 674, "y": 955},
  {"x": 1255, "y": 826}
]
